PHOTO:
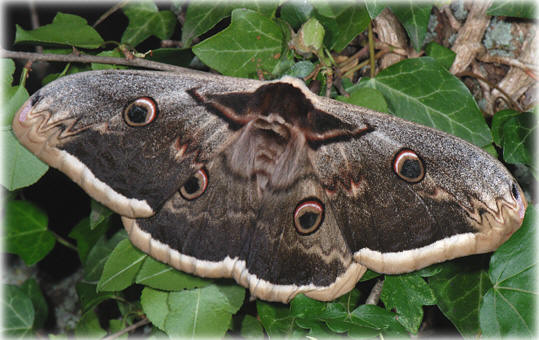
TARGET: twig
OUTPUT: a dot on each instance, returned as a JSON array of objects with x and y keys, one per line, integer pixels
[
  {"x": 109, "y": 12},
  {"x": 137, "y": 62},
  {"x": 510, "y": 100},
  {"x": 35, "y": 22},
  {"x": 453, "y": 22},
  {"x": 63, "y": 241},
  {"x": 371, "y": 50},
  {"x": 374, "y": 296},
  {"x": 526, "y": 67},
  {"x": 136, "y": 325}
]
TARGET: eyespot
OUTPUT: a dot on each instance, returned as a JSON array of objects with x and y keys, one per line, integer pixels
[
  {"x": 408, "y": 166},
  {"x": 308, "y": 216},
  {"x": 140, "y": 112},
  {"x": 195, "y": 186}
]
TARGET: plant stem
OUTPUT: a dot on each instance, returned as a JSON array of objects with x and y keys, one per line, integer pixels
[
  {"x": 137, "y": 62},
  {"x": 63, "y": 241}
]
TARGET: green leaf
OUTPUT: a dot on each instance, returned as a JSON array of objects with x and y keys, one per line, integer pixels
[
  {"x": 414, "y": 16},
  {"x": 7, "y": 67},
  {"x": 121, "y": 267},
  {"x": 459, "y": 288},
  {"x": 99, "y": 254},
  {"x": 88, "y": 326},
  {"x": 22, "y": 168},
  {"x": 88, "y": 296},
  {"x": 518, "y": 138},
  {"x": 366, "y": 97},
  {"x": 112, "y": 53},
  {"x": 155, "y": 306},
  {"x": 513, "y": 8},
  {"x": 422, "y": 91},
  {"x": 508, "y": 308},
  {"x": 145, "y": 20},
  {"x": 407, "y": 294},
  {"x": 66, "y": 29},
  {"x": 441, "y": 54},
  {"x": 86, "y": 237},
  {"x": 200, "y": 17},
  {"x": 26, "y": 232},
  {"x": 173, "y": 56},
  {"x": 161, "y": 276},
  {"x": 369, "y": 275},
  {"x": 375, "y": 7},
  {"x": 13, "y": 98},
  {"x": 98, "y": 213},
  {"x": 32, "y": 290},
  {"x": 193, "y": 313},
  {"x": 18, "y": 312},
  {"x": 277, "y": 320},
  {"x": 296, "y": 12},
  {"x": 301, "y": 69},
  {"x": 379, "y": 319},
  {"x": 309, "y": 38},
  {"x": 251, "y": 42},
  {"x": 498, "y": 121},
  {"x": 342, "y": 21},
  {"x": 251, "y": 328},
  {"x": 306, "y": 308}
]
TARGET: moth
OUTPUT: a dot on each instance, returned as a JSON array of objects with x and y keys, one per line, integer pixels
[{"x": 267, "y": 183}]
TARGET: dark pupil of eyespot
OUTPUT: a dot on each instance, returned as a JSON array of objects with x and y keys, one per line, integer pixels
[
  {"x": 308, "y": 219},
  {"x": 192, "y": 185},
  {"x": 411, "y": 168},
  {"x": 137, "y": 114}
]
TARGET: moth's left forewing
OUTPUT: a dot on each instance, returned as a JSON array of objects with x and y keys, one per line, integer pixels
[{"x": 78, "y": 125}]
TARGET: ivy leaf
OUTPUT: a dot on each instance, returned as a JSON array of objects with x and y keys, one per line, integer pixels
[
  {"x": 460, "y": 287},
  {"x": 513, "y": 8},
  {"x": 146, "y": 20},
  {"x": 414, "y": 17},
  {"x": 22, "y": 168},
  {"x": 375, "y": 7},
  {"x": 422, "y": 91},
  {"x": 65, "y": 29},
  {"x": 200, "y": 17},
  {"x": 251, "y": 328},
  {"x": 98, "y": 213},
  {"x": 193, "y": 313},
  {"x": 518, "y": 139},
  {"x": 112, "y": 53},
  {"x": 88, "y": 296},
  {"x": 18, "y": 313},
  {"x": 441, "y": 54},
  {"x": 26, "y": 232},
  {"x": 88, "y": 326},
  {"x": 296, "y": 13},
  {"x": 378, "y": 319},
  {"x": 41, "y": 309},
  {"x": 508, "y": 308},
  {"x": 99, "y": 254},
  {"x": 277, "y": 320},
  {"x": 407, "y": 294},
  {"x": 250, "y": 43},
  {"x": 161, "y": 276},
  {"x": 498, "y": 121},
  {"x": 342, "y": 21},
  {"x": 366, "y": 97},
  {"x": 86, "y": 237},
  {"x": 121, "y": 267}
]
